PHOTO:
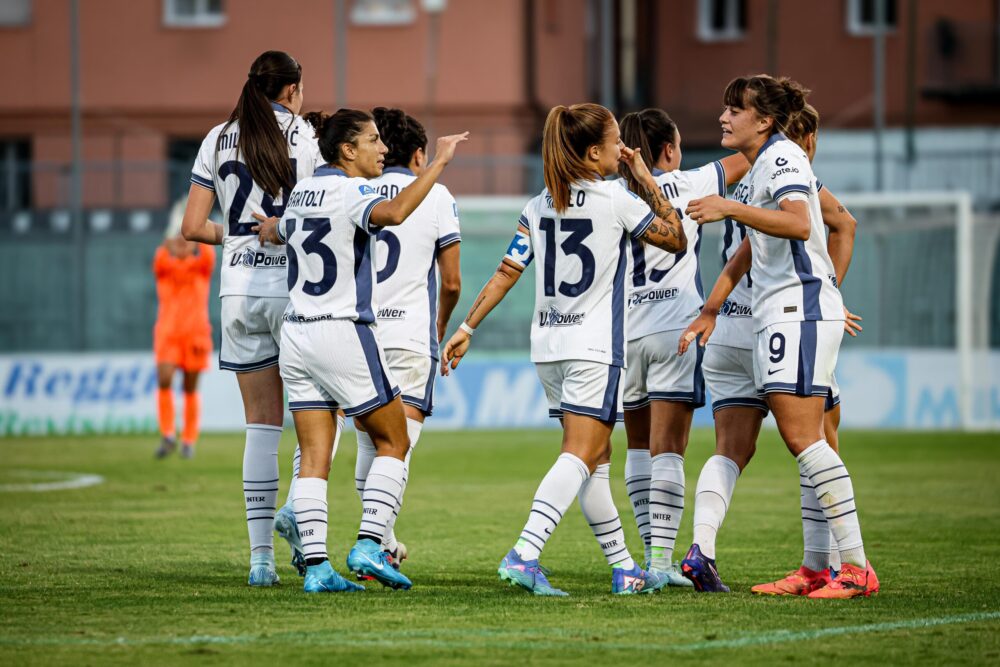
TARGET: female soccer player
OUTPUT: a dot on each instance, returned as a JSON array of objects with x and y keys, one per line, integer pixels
[
  {"x": 798, "y": 314},
  {"x": 580, "y": 228},
  {"x": 663, "y": 388},
  {"x": 736, "y": 428},
  {"x": 412, "y": 315},
  {"x": 251, "y": 161},
  {"x": 182, "y": 337},
  {"x": 330, "y": 356}
]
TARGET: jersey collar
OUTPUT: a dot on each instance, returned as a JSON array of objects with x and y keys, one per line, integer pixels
[
  {"x": 280, "y": 109},
  {"x": 326, "y": 170},
  {"x": 658, "y": 172},
  {"x": 773, "y": 139},
  {"x": 398, "y": 170}
]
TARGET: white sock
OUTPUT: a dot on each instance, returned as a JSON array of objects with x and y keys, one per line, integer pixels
[
  {"x": 366, "y": 454},
  {"x": 828, "y": 475},
  {"x": 296, "y": 466},
  {"x": 600, "y": 512},
  {"x": 834, "y": 553},
  {"x": 638, "y": 472},
  {"x": 310, "y": 514},
  {"x": 666, "y": 505},
  {"x": 382, "y": 490},
  {"x": 336, "y": 436},
  {"x": 554, "y": 496},
  {"x": 413, "y": 428},
  {"x": 260, "y": 484},
  {"x": 711, "y": 500},
  {"x": 815, "y": 530}
]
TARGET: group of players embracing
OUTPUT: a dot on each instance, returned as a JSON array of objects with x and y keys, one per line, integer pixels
[{"x": 618, "y": 279}]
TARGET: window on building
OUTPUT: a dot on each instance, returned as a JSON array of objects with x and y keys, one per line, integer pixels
[
  {"x": 862, "y": 16},
  {"x": 383, "y": 12},
  {"x": 722, "y": 20},
  {"x": 15, "y": 174},
  {"x": 15, "y": 13},
  {"x": 194, "y": 13}
]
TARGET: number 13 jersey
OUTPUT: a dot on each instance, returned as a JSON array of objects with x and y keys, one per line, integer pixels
[
  {"x": 580, "y": 290},
  {"x": 247, "y": 268}
]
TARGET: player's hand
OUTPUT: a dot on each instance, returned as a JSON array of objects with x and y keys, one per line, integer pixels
[
  {"x": 632, "y": 157},
  {"x": 267, "y": 230},
  {"x": 703, "y": 326},
  {"x": 708, "y": 209},
  {"x": 851, "y": 326},
  {"x": 444, "y": 150},
  {"x": 456, "y": 348}
]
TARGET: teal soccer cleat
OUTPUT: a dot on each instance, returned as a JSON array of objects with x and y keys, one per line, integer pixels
[
  {"x": 674, "y": 576},
  {"x": 527, "y": 574},
  {"x": 286, "y": 527},
  {"x": 368, "y": 559},
  {"x": 262, "y": 572},
  {"x": 323, "y": 578},
  {"x": 636, "y": 580}
]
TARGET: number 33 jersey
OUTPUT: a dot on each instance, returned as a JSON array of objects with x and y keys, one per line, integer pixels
[
  {"x": 329, "y": 243},
  {"x": 247, "y": 268},
  {"x": 582, "y": 254}
]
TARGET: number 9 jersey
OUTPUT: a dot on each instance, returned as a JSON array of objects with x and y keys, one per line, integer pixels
[
  {"x": 580, "y": 290},
  {"x": 247, "y": 268}
]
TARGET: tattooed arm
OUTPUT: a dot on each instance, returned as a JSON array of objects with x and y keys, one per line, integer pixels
[
  {"x": 842, "y": 226},
  {"x": 667, "y": 231}
]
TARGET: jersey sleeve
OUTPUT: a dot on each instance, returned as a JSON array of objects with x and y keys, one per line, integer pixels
[
  {"x": 708, "y": 180},
  {"x": 633, "y": 213},
  {"x": 520, "y": 251},
  {"x": 787, "y": 174},
  {"x": 359, "y": 200},
  {"x": 447, "y": 216},
  {"x": 202, "y": 173}
]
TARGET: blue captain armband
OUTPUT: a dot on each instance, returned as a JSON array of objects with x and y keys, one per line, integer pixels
[{"x": 519, "y": 251}]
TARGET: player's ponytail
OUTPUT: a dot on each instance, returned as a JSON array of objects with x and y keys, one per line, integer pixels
[
  {"x": 648, "y": 130},
  {"x": 335, "y": 130},
  {"x": 261, "y": 142},
  {"x": 802, "y": 125},
  {"x": 402, "y": 134},
  {"x": 568, "y": 133},
  {"x": 778, "y": 99}
]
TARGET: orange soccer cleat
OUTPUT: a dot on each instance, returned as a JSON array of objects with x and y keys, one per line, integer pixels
[
  {"x": 851, "y": 582},
  {"x": 801, "y": 582}
]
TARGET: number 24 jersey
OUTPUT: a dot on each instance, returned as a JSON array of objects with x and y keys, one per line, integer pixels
[{"x": 580, "y": 290}]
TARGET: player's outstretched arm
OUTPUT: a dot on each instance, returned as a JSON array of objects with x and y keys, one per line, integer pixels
[
  {"x": 196, "y": 226},
  {"x": 449, "y": 264},
  {"x": 842, "y": 227},
  {"x": 735, "y": 166},
  {"x": 394, "y": 211},
  {"x": 790, "y": 221},
  {"x": 732, "y": 273},
  {"x": 667, "y": 231},
  {"x": 493, "y": 292}
]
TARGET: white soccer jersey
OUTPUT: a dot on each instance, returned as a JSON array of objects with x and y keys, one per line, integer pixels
[
  {"x": 247, "y": 268},
  {"x": 580, "y": 288},
  {"x": 330, "y": 268},
  {"x": 406, "y": 294},
  {"x": 793, "y": 281},
  {"x": 665, "y": 288},
  {"x": 734, "y": 325}
]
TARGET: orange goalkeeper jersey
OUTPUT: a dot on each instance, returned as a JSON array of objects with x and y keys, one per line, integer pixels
[{"x": 182, "y": 286}]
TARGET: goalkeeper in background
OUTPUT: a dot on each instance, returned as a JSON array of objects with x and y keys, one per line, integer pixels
[{"x": 182, "y": 337}]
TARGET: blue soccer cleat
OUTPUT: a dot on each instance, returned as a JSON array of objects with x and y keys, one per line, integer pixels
[
  {"x": 323, "y": 578},
  {"x": 262, "y": 572},
  {"x": 636, "y": 580},
  {"x": 287, "y": 528},
  {"x": 700, "y": 569},
  {"x": 527, "y": 574},
  {"x": 367, "y": 558}
]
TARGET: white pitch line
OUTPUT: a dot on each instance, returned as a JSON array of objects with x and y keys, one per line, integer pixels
[
  {"x": 483, "y": 639},
  {"x": 64, "y": 481}
]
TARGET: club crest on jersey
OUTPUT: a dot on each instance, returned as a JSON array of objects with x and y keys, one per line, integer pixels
[
  {"x": 391, "y": 314},
  {"x": 258, "y": 260},
  {"x": 650, "y": 296},
  {"x": 553, "y": 318},
  {"x": 733, "y": 309}
]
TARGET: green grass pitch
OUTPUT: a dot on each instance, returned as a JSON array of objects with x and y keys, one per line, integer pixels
[{"x": 150, "y": 566}]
